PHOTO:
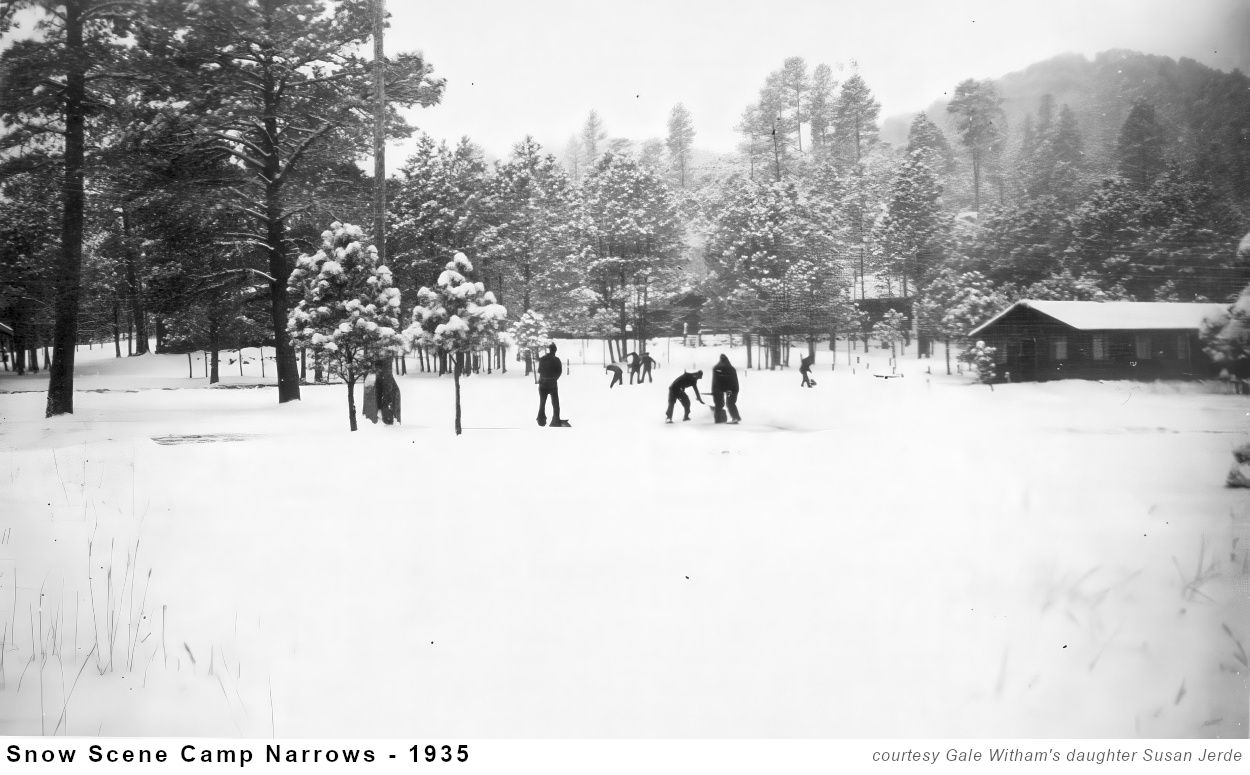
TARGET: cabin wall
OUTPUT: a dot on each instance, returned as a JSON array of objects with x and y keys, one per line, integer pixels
[{"x": 1032, "y": 346}]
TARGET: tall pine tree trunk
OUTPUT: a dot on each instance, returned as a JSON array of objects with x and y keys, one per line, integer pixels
[
  {"x": 351, "y": 401},
  {"x": 213, "y": 376},
  {"x": 68, "y": 277},
  {"x": 135, "y": 289},
  {"x": 279, "y": 267},
  {"x": 117, "y": 327},
  {"x": 379, "y": 130},
  {"x": 456, "y": 379}
]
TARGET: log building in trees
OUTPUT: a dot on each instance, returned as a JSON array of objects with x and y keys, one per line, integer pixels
[{"x": 1043, "y": 340}]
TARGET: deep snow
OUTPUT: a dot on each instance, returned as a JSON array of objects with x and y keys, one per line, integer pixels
[{"x": 918, "y": 557}]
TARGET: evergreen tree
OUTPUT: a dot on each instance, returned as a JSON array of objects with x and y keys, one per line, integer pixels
[
  {"x": 855, "y": 117},
  {"x": 954, "y": 303},
  {"x": 911, "y": 229},
  {"x": 281, "y": 87},
  {"x": 1139, "y": 150},
  {"x": 756, "y": 145},
  {"x": 925, "y": 138},
  {"x": 438, "y": 208},
  {"x": 820, "y": 105},
  {"x": 981, "y": 125},
  {"x": 592, "y": 140},
  {"x": 796, "y": 86},
  {"x": 349, "y": 308},
  {"x": 534, "y": 235},
  {"x": 530, "y": 334},
  {"x": 49, "y": 99},
  {"x": 456, "y": 317},
  {"x": 771, "y": 247},
  {"x": 891, "y": 330},
  {"x": 636, "y": 239},
  {"x": 680, "y": 141},
  {"x": 572, "y": 158},
  {"x": 652, "y": 154}
]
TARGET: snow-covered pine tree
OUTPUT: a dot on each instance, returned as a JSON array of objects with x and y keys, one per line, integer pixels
[
  {"x": 530, "y": 334},
  {"x": 456, "y": 317},
  {"x": 890, "y": 330},
  {"x": 349, "y": 308},
  {"x": 981, "y": 357}
]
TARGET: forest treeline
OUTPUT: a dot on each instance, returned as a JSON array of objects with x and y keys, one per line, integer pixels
[{"x": 165, "y": 163}]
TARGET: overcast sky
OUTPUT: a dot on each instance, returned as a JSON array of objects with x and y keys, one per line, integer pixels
[{"x": 539, "y": 66}]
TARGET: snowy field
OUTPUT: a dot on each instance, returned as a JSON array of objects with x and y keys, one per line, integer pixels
[{"x": 914, "y": 557}]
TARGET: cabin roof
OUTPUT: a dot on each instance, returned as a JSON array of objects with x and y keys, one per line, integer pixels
[{"x": 1117, "y": 315}]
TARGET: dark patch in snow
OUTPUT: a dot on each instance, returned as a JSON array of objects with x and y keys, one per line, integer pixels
[{"x": 201, "y": 438}]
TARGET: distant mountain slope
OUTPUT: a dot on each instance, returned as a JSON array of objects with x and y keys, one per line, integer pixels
[{"x": 1203, "y": 110}]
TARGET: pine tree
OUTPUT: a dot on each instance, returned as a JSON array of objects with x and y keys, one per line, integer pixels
[
  {"x": 820, "y": 105},
  {"x": 925, "y": 138},
  {"x": 1139, "y": 149},
  {"x": 530, "y": 334},
  {"x": 981, "y": 124},
  {"x": 283, "y": 88},
  {"x": 891, "y": 330},
  {"x": 49, "y": 99},
  {"x": 349, "y": 308},
  {"x": 955, "y": 303},
  {"x": 592, "y": 139},
  {"x": 636, "y": 239},
  {"x": 761, "y": 237},
  {"x": 680, "y": 141},
  {"x": 438, "y": 208},
  {"x": 456, "y": 317},
  {"x": 911, "y": 229},
  {"x": 855, "y": 117},
  {"x": 533, "y": 235},
  {"x": 795, "y": 82}
]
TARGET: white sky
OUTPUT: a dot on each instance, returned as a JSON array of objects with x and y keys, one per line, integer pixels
[{"x": 538, "y": 67}]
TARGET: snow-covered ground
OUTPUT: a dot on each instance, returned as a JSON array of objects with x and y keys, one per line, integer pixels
[{"x": 918, "y": 557}]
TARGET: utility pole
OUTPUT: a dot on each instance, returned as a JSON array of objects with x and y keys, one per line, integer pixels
[{"x": 379, "y": 130}]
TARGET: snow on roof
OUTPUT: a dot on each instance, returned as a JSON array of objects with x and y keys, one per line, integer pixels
[
  {"x": 5, "y": 330},
  {"x": 1118, "y": 315}
]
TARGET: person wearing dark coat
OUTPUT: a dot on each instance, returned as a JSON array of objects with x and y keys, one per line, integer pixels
[
  {"x": 805, "y": 368},
  {"x": 382, "y": 398},
  {"x": 635, "y": 363},
  {"x": 647, "y": 362},
  {"x": 725, "y": 391},
  {"x": 616, "y": 375},
  {"x": 549, "y": 371},
  {"x": 677, "y": 392}
]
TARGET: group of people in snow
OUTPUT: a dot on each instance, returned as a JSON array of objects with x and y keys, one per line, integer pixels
[
  {"x": 724, "y": 393},
  {"x": 724, "y": 388},
  {"x": 639, "y": 367}
]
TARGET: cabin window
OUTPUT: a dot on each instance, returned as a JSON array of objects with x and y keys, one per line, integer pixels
[
  {"x": 1059, "y": 348},
  {"x": 1142, "y": 347},
  {"x": 1182, "y": 347},
  {"x": 1100, "y": 347}
]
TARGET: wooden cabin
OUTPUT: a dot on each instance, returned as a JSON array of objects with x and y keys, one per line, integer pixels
[{"x": 1041, "y": 340}]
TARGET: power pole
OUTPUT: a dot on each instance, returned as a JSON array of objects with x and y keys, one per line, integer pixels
[{"x": 379, "y": 130}]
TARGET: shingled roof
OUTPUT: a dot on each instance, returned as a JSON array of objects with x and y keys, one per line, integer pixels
[{"x": 1118, "y": 315}]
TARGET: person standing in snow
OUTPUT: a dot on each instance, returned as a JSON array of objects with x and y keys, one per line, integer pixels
[
  {"x": 549, "y": 371},
  {"x": 634, "y": 364},
  {"x": 388, "y": 394},
  {"x": 647, "y": 362},
  {"x": 805, "y": 368},
  {"x": 725, "y": 391},
  {"x": 616, "y": 375},
  {"x": 677, "y": 392}
]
